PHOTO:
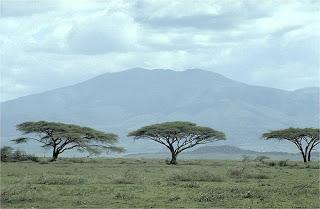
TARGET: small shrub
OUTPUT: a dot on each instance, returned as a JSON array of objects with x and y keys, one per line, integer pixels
[
  {"x": 245, "y": 158},
  {"x": 261, "y": 158},
  {"x": 240, "y": 172},
  {"x": 256, "y": 176},
  {"x": 271, "y": 164},
  {"x": 194, "y": 175},
  {"x": 6, "y": 153},
  {"x": 167, "y": 160},
  {"x": 313, "y": 165},
  {"x": 173, "y": 198},
  {"x": 248, "y": 194},
  {"x": 19, "y": 155},
  {"x": 9, "y": 155},
  {"x": 192, "y": 184},
  {"x": 283, "y": 163},
  {"x": 33, "y": 158},
  {"x": 124, "y": 196},
  {"x": 128, "y": 177},
  {"x": 209, "y": 196},
  {"x": 236, "y": 172}
]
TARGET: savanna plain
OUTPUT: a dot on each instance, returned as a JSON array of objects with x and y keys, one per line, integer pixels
[{"x": 128, "y": 183}]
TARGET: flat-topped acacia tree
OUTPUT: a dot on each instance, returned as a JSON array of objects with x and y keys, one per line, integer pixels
[
  {"x": 62, "y": 137},
  {"x": 178, "y": 136},
  {"x": 306, "y": 139}
]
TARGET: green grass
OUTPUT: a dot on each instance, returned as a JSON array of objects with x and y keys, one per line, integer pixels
[{"x": 120, "y": 183}]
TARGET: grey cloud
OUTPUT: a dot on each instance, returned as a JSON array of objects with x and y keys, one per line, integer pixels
[
  {"x": 281, "y": 54},
  {"x": 227, "y": 19},
  {"x": 100, "y": 37},
  {"x": 12, "y": 8},
  {"x": 285, "y": 30},
  {"x": 197, "y": 21},
  {"x": 289, "y": 66}
]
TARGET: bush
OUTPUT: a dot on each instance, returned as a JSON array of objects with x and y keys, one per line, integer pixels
[
  {"x": 173, "y": 197},
  {"x": 261, "y": 158},
  {"x": 8, "y": 154},
  {"x": 124, "y": 196},
  {"x": 192, "y": 184},
  {"x": 235, "y": 172},
  {"x": 245, "y": 158},
  {"x": 241, "y": 172},
  {"x": 256, "y": 176},
  {"x": 271, "y": 163},
  {"x": 283, "y": 163},
  {"x": 128, "y": 177},
  {"x": 209, "y": 196}
]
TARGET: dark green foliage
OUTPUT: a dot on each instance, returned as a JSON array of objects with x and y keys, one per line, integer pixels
[
  {"x": 62, "y": 137},
  {"x": 283, "y": 163},
  {"x": 8, "y": 154},
  {"x": 261, "y": 158},
  {"x": 272, "y": 163},
  {"x": 178, "y": 136},
  {"x": 306, "y": 139}
]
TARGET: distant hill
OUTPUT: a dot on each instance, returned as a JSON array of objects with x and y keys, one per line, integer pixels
[
  {"x": 227, "y": 149},
  {"x": 224, "y": 152},
  {"x": 123, "y": 101}
]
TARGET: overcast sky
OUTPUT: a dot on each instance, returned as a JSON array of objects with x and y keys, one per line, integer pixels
[{"x": 50, "y": 43}]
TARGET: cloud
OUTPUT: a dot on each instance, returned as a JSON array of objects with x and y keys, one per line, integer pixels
[
  {"x": 49, "y": 44},
  {"x": 213, "y": 16},
  {"x": 104, "y": 34},
  {"x": 12, "y": 8}
]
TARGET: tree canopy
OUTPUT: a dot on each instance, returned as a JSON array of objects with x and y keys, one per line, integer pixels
[
  {"x": 62, "y": 137},
  {"x": 306, "y": 139},
  {"x": 178, "y": 136}
]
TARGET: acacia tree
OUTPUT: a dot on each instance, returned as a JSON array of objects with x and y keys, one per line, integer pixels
[
  {"x": 62, "y": 137},
  {"x": 178, "y": 136},
  {"x": 306, "y": 139}
]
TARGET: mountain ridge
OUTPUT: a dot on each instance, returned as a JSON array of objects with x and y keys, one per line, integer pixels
[{"x": 137, "y": 69}]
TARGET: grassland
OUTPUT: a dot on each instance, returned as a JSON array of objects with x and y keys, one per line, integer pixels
[{"x": 150, "y": 183}]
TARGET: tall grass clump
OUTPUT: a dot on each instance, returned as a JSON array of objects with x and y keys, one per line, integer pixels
[
  {"x": 194, "y": 175},
  {"x": 60, "y": 180},
  {"x": 127, "y": 177},
  {"x": 124, "y": 195}
]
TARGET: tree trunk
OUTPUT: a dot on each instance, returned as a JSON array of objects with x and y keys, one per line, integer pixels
[
  {"x": 309, "y": 156},
  {"x": 173, "y": 160},
  {"x": 304, "y": 157},
  {"x": 54, "y": 156}
]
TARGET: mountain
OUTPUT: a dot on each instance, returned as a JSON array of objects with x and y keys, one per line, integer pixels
[
  {"x": 123, "y": 101},
  {"x": 225, "y": 149},
  {"x": 225, "y": 152},
  {"x": 233, "y": 150}
]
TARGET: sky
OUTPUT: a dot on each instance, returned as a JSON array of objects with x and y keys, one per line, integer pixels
[{"x": 47, "y": 44}]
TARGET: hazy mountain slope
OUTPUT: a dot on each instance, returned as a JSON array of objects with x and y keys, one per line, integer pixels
[{"x": 123, "y": 101}]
